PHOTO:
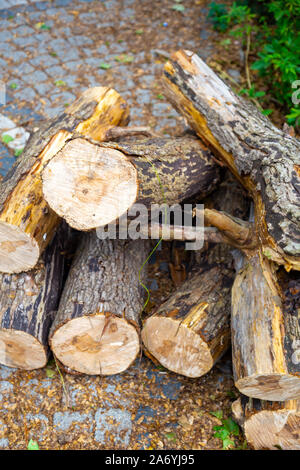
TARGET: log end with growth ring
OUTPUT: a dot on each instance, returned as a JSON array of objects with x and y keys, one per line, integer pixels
[
  {"x": 21, "y": 350},
  {"x": 97, "y": 344},
  {"x": 177, "y": 347},
  {"x": 269, "y": 425},
  {"x": 18, "y": 251},
  {"x": 89, "y": 186},
  {"x": 272, "y": 387},
  {"x": 280, "y": 428}
]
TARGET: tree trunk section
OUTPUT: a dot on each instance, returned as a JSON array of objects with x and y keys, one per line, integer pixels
[
  {"x": 28, "y": 304},
  {"x": 265, "y": 159},
  {"x": 269, "y": 425},
  {"x": 96, "y": 330},
  {"x": 27, "y": 224},
  {"x": 265, "y": 332},
  {"x": 191, "y": 330},
  {"x": 96, "y": 183}
]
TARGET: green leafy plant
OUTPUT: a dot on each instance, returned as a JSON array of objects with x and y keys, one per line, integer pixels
[
  {"x": 59, "y": 83},
  {"x": 124, "y": 59},
  {"x": 42, "y": 26},
  {"x": 18, "y": 152},
  {"x": 270, "y": 32},
  {"x": 226, "y": 431},
  {"x": 13, "y": 86},
  {"x": 33, "y": 445},
  {"x": 104, "y": 66},
  {"x": 171, "y": 436},
  {"x": 6, "y": 139}
]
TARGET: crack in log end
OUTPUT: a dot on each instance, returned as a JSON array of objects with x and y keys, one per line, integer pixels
[
  {"x": 92, "y": 345},
  {"x": 272, "y": 387},
  {"x": 101, "y": 184}
]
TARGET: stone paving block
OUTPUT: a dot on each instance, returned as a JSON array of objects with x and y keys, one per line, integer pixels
[
  {"x": 35, "y": 77},
  {"x": 37, "y": 425},
  {"x": 6, "y": 372},
  {"x": 16, "y": 56},
  {"x": 23, "y": 42},
  {"x": 44, "y": 89},
  {"x": 44, "y": 61},
  {"x": 6, "y": 162},
  {"x": 24, "y": 68},
  {"x": 23, "y": 31},
  {"x": 4, "y": 443},
  {"x": 63, "y": 421},
  {"x": 27, "y": 94},
  {"x": 120, "y": 429},
  {"x": 6, "y": 387}
]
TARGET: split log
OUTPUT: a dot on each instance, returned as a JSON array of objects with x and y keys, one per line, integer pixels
[
  {"x": 269, "y": 425},
  {"x": 96, "y": 330},
  {"x": 265, "y": 159},
  {"x": 265, "y": 333},
  {"x": 28, "y": 303},
  {"x": 27, "y": 224},
  {"x": 99, "y": 182},
  {"x": 191, "y": 330}
]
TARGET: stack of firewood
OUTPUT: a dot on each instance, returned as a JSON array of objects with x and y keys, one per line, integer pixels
[{"x": 243, "y": 286}]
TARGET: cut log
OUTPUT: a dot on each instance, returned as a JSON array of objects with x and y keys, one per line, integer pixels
[
  {"x": 99, "y": 182},
  {"x": 265, "y": 159},
  {"x": 265, "y": 333},
  {"x": 191, "y": 330},
  {"x": 27, "y": 224},
  {"x": 28, "y": 303},
  {"x": 96, "y": 330},
  {"x": 269, "y": 425}
]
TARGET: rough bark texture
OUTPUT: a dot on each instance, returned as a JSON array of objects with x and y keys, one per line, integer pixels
[
  {"x": 99, "y": 182},
  {"x": 269, "y": 425},
  {"x": 28, "y": 304},
  {"x": 191, "y": 330},
  {"x": 96, "y": 330},
  {"x": 26, "y": 223},
  {"x": 265, "y": 159},
  {"x": 265, "y": 334}
]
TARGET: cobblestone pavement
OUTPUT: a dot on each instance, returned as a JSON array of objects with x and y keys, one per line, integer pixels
[{"x": 50, "y": 51}]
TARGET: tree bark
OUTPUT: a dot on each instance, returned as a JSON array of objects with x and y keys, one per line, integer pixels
[
  {"x": 265, "y": 333},
  {"x": 27, "y": 224},
  {"x": 96, "y": 330},
  {"x": 191, "y": 330},
  {"x": 96, "y": 183},
  {"x": 28, "y": 304},
  {"x": 269, "y": 425},
  {"x": 265, "y": 159}
]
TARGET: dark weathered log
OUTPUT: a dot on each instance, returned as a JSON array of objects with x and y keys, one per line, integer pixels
[
  {"x": 265, "y": 333},
  {"x": 91, "y": 185},
  {"x": 269, "y": 425},
  {"x": 28, "y": 304},
  {"x": 265, "y": 159},
  {"x": 191, "y": 330},
  {"x": 27, "y": 224},
  {"x": 96, "y": 330}
]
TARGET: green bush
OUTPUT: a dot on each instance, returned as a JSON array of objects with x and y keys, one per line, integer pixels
[{"x": 270, "y": 29}]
